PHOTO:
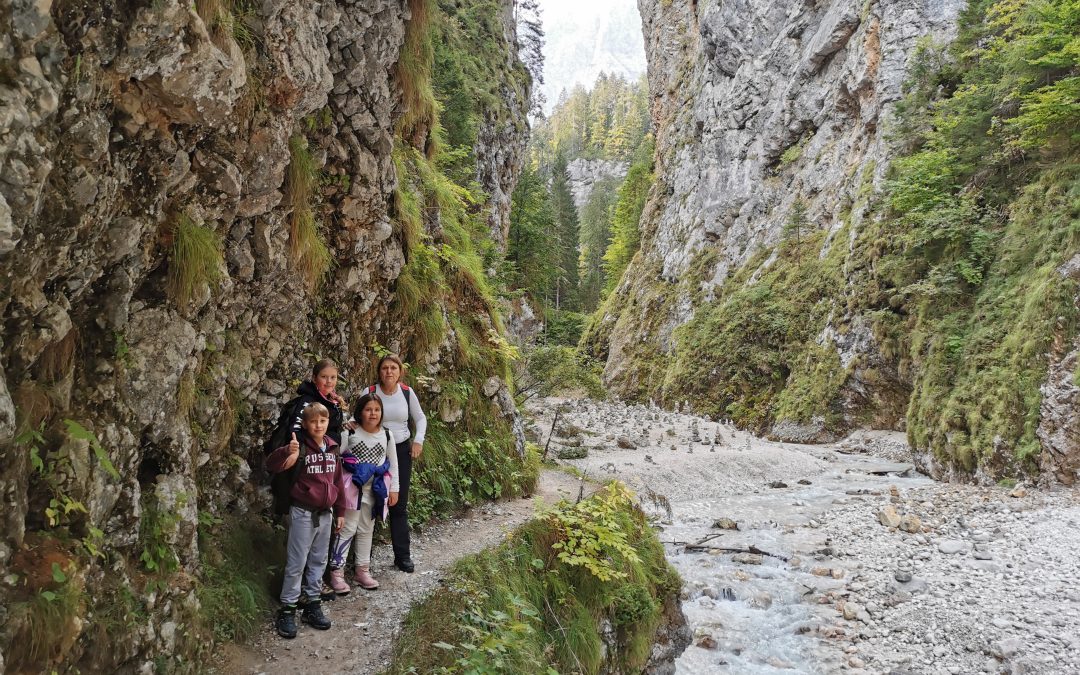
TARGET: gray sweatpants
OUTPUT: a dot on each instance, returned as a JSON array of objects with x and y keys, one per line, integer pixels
[{"x": 309, "y": 541}]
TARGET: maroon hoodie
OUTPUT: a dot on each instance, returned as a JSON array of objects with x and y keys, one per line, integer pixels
[{"x": 320, "y": 484}]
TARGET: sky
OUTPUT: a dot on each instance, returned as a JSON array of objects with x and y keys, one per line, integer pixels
[{"x": 584, "y": 37}]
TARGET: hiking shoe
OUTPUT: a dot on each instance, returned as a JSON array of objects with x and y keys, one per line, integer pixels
[
  {"x": 312, "y": 615},
  {"x": 404, "y": 564},
  {"x": 285, "y": 623},
  {"x": 363, "y": 577},
  {"x": 326, "y": 594},
  {"x": 337, "y": 582}
]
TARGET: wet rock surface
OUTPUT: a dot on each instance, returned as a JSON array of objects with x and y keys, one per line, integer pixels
[{"x": 973, "y": 580}]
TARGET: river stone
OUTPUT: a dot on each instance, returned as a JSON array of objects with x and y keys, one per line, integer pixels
[
  {"x": 1007, "y": 648},
  {"x": 576, "y": 452},
  {"x": 851, "y": 610},
  {"x": 910, "y": 523},
  {"x": 889, "y": 517},
  {"x": 952, "y": 546},
  {"x": 725, "y": 524},
  {"x": 747, "y": 558}
]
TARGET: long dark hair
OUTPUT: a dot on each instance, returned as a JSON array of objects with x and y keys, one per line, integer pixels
[{"x": 362, "y": 402}]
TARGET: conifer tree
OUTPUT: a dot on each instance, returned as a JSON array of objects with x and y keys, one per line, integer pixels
[{"x": 566, "y": 229}]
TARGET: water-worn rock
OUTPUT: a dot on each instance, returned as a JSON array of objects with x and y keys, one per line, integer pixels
[
  {"x": 910, "y": 523},
  {"x": 889, "y": 517},
  {"x": 953, "y": 546}
]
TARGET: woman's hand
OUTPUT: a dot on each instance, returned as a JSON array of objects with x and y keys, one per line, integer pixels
[
  {"x": 416, "y": 450},
  {"x": 392, "y": 500},
  {"x": 339, "y": 523}
]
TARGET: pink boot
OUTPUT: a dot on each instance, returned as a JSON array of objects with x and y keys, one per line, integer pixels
[
  {"x": 337, "y": 582},
  {"x": 364, "y": 578}
]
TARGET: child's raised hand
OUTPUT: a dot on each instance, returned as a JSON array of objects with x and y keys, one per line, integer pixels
[{"x": 294, "y": 445}]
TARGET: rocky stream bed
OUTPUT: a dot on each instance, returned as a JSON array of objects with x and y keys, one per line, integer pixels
[{"x": 867, "y": 565}]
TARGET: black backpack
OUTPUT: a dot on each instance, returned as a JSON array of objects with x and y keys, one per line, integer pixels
[
  {"x": 281, "y": 483},
  {"x": 283, "y": 429}
]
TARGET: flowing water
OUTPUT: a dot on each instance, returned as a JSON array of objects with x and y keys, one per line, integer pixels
[
  {"x": 750, "y": 613},
  {"x": 767, "y": 618}
]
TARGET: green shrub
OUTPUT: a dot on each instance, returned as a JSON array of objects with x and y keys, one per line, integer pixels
[
  {"x": 236, "y": 598},
  {"x": 535, "y": 603}
]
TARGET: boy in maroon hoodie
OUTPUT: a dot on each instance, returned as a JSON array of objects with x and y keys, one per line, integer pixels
[{"x": 318, "y": 504}]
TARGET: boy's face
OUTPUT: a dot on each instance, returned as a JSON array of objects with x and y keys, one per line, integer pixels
[{"x": 316, "y": 427}]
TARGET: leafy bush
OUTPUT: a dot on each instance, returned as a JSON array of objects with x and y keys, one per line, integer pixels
[
  {"x": 556, "y": 370},
  {"x": 536, "y": 602}
]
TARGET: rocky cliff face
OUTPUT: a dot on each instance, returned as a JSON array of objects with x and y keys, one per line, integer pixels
[
  {"x": 170, "y": 174},
  {"x": 584, "y": 174},
  {"x": 763, "y": 111},
  {"x": 790, "y": 280}
]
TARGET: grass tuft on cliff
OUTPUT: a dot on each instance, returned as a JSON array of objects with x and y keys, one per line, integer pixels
[
  {"x": 310, "y": 256},
  {"x": 196, "y": 259},
  {"x": 537, "y": 602}
]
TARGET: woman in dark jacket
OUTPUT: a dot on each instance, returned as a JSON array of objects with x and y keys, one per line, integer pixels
[{"x": 321, "y": 389}]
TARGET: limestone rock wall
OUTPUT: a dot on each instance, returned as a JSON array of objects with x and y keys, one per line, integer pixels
[
  {"x": 119, "y": 121},
  {"x": 757, "y": 105},
  {"x": 584, "y": 174}
]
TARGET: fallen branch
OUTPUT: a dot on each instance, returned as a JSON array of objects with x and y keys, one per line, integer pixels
[
  {"x": 558, "y": 410},
  {"x": 698, "y": 548}
]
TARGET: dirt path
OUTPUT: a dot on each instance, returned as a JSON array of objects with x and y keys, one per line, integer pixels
[{"x": 360, "y": 622}]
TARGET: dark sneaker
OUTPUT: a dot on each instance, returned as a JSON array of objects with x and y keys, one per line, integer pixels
[
  {"x": 404, "y": 564},
  {"x": 312, "y": 615},
  {"x": 286, "y": 621}
]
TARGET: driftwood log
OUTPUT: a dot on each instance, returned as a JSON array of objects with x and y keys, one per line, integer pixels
[{"x": 702, "y": 545}]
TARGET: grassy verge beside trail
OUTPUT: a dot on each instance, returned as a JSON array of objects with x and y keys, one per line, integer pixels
[{"x": 580, "y": 588}]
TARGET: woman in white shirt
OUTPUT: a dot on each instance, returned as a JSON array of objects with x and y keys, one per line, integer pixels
[{"x": 400, "y": 406}]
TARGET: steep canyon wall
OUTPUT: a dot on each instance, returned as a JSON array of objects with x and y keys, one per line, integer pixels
[
  {"x": 757, "y": 293},
  {"x": 197, "y": 200}
]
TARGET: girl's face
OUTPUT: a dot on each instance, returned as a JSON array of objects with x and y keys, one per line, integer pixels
[
  {"x": 371, "y": 416},
  {"x": 326, "y": 380},
  {"x": 389, "y": 373}
]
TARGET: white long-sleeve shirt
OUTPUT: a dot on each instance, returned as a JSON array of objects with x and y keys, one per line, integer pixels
[{"x": 396, "y": 414}]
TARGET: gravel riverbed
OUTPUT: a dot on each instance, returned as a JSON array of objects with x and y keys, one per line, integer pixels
[{"x": 868, "y": 567}]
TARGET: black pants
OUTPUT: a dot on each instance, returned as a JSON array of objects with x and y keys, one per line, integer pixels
[{"x": 399, "y": 516}]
